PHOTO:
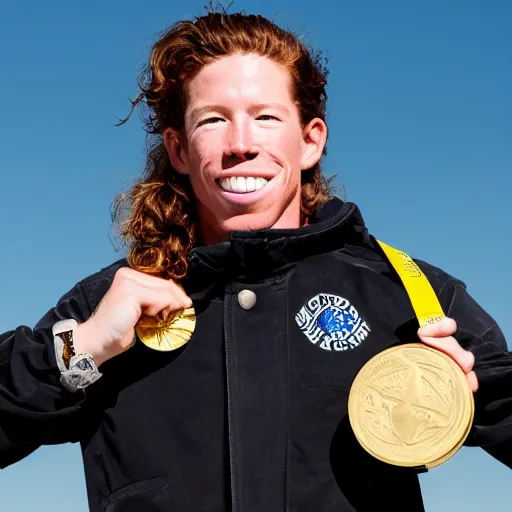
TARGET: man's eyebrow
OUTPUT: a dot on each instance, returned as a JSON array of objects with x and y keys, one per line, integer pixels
[
  {"x": 263, "y": 106},
  {"x": 194, "y": 113}
]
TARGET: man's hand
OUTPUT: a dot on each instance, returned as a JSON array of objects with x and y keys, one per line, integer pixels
[
  {"x": 439, "y": 336},
  {"x": 110, "y": 330}
]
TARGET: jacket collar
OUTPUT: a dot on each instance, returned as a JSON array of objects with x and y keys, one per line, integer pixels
[{"x": 263, "y": 253}]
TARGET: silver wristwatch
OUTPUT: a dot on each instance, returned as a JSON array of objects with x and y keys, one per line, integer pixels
[{"x": 77, "y": 370}]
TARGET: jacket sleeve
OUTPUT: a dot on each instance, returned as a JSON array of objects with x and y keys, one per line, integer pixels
[
  {"x": 34, "y": 408},
  {"x": 478, "y": 332}
]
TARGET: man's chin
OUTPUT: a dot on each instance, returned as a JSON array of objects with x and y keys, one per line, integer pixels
[
  {"x": 215, "y": 229},
  {"x": 249, "y": 222}
]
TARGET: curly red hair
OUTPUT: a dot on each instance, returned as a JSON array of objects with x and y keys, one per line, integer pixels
[{"x": 160, "y": 226}]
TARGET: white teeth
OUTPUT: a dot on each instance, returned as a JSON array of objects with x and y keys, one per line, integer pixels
[
  {"x": 261, "y": 182},
  {"x": 250, "y": 184},
  {"x": 242, "y": 185}
]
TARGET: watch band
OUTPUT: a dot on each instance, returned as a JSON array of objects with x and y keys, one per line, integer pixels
[{"x": 77, "y": 370}]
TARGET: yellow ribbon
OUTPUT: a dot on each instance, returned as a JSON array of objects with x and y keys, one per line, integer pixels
[{"x": 421, "y": 294}]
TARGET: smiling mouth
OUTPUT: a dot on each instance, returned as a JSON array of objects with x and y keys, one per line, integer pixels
[{"x": 242, "y": 185}]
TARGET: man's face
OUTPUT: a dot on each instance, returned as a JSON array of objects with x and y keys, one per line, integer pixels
[{"x": 244, "y": 147}]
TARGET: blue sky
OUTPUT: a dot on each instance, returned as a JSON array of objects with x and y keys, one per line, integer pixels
[{"x": 420, "y": 137}]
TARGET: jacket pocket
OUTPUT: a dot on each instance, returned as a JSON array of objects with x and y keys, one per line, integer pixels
[{"x": 151, "y": 495}]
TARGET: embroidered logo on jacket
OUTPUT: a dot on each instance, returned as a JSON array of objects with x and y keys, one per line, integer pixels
[{"x": 332, "y": 323}]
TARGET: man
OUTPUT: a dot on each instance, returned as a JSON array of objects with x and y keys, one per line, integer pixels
[{"x": 233, "y": 217}]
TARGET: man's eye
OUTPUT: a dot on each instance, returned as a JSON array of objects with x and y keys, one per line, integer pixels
[
  {"x": 210, "y": 120},
  {"x": 267, "y": 117}
]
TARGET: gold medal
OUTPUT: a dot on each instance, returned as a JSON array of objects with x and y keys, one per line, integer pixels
[
  {"x": 169, "y": 334},
  {"x": 411, "y": 406}
]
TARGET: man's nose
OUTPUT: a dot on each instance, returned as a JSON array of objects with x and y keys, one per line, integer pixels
[{"x": 241, "y": 140}]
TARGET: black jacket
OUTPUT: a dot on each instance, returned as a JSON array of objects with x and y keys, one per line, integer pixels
[{"x": 251, "y": 414}]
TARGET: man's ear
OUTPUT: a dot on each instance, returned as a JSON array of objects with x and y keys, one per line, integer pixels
[
  {"x": 314, "y": 138},
  {"x": 176, "y": 151}
]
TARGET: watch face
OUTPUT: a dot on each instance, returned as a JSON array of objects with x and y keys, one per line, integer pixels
[{"x": 84, "y": 364}]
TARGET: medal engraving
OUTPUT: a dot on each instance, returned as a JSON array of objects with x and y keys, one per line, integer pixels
[
  {"x": 167, "y": 335},
  {"x": 411, "y": 406}
]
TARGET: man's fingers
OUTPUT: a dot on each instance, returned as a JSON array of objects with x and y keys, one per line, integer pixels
[
  {"x": 445, "y": 327},
  {"x": 472, "y": 381},
  {"x": 167, "y": 312},
  {"x": 156, "y": 295},
  {"x": 450, "y": 346},
  {"x": 439, "y": 336},
  {"x": 164, "y": 304}
]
